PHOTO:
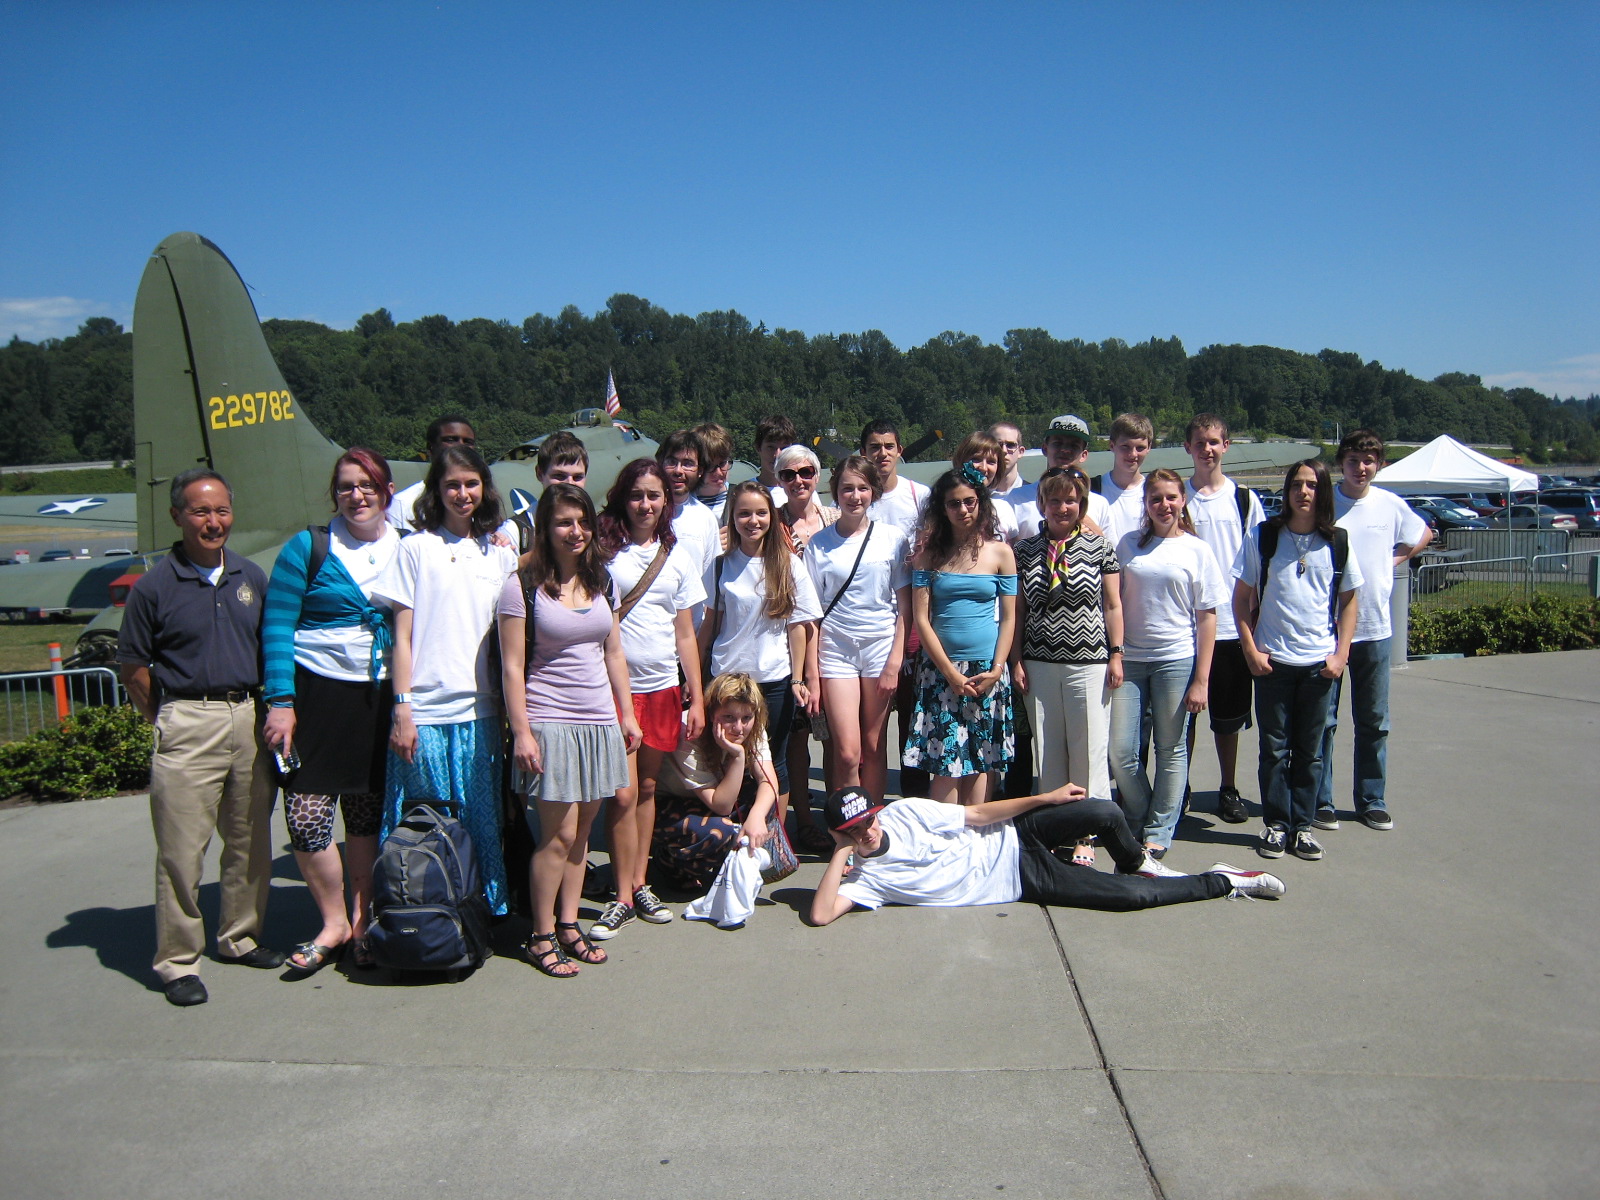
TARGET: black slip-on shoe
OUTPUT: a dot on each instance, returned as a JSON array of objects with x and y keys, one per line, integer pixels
[
  {"x": 186, "y": 990},
  {"x": 266, "y": 960}
]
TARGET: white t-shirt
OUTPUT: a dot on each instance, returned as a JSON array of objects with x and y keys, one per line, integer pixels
[
  {"x": 1006, "y": 516},
  {"x": 1164, "y": 583},
  {"x": 1030, "y": 517},
  {"x": 452, "y": 585},
  {"x": 1377, "y": 523},
  {"x": 347, "y": 653},
  {"x": 867, "y": 609},
  {"x": 649, "y": 638},
  {"x": 400, "y": 507},
  {"x": 934, "y": 857},
  {"x": 748, "y": 640},
  {"x": 1295, "y": 625},
  {"x": 1125, "y": 507},
  {"x": 697, "y": 532},
  {"x": 902, "y": 507},
  {"x": 1216, "y": 521}
]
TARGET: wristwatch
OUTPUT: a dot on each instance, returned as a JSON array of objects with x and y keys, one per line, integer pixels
[{"x": 1113, "y": 650}]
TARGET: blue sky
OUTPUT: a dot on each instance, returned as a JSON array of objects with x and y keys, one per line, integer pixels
[{"x": 1416, "y": 183}]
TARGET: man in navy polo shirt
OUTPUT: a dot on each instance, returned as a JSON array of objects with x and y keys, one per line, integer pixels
[{"x": 190, "y": 655}]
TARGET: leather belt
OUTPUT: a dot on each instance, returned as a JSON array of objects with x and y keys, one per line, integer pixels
[{"x": 234, "y": 697}]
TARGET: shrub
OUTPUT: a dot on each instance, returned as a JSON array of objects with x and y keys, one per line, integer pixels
[
  {"x": 94, "y": 752},
  {"x": 1549, "y": 623}
]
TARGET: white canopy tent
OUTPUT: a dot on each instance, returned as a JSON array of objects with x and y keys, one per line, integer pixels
[{"x": 1445, "y": 465}]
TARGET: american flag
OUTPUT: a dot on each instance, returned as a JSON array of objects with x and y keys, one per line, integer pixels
[{"x": 613, "y": 401}]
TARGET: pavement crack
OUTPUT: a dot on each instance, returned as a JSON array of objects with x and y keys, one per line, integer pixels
[{"x": 1106, "y": 1072}]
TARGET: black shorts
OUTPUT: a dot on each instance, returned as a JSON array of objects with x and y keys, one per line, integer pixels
[{"x": 1231, "y": 688}]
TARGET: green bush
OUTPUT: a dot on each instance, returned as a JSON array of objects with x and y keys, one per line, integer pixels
[
  {"x": 94, "y": 752},
  {"x": 1549, "y": 623}
]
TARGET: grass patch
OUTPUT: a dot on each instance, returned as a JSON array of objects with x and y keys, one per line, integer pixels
[
  {"x": 25, "y": 647},
  {"x": 99, "y": 480}
]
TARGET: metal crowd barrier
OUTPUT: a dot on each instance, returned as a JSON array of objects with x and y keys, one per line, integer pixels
[
  {"x": 1451, "y": 580},
  {"x": 35, "y": 700}
]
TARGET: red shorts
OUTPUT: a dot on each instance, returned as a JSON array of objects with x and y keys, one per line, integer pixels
[{"x": 660, "y": 716}]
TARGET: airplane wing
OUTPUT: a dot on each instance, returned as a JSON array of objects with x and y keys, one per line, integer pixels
[{"x": 1243, "y": 458}]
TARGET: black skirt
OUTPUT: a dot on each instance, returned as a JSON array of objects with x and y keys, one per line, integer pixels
[{"x": 341, "y": 733}]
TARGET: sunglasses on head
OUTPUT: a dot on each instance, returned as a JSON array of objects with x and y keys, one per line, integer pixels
[{"x": 790, "y": 474}]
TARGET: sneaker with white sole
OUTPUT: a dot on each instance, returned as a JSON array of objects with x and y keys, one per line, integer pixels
[
  {"x": 1305, "y": 846},
  {"x": 616, "y": 915},
  {"x": 647, "y": 906},
  {"x": 1250, "y": 885},
  {"x": 1152, "y": 869},
  {"x": 1377, "y": 818},
  {"x": 1274, "y": 842},
  {"x": 1325, "y": 818}
]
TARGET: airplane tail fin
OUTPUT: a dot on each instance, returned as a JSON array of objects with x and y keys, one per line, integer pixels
[{"x": 207, "y": 392}]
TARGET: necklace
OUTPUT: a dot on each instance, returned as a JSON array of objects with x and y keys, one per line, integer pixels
[{"x": 1303, "y": 549}]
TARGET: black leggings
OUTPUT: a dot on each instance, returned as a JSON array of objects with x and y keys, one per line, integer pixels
[{"x": 1048, "y": 880}]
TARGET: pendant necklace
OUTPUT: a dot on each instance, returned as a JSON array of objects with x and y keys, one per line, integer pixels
[{"x": 1304, "y": 548}]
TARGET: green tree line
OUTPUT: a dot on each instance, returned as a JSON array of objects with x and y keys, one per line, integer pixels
[{"x": 381, "y": 382}]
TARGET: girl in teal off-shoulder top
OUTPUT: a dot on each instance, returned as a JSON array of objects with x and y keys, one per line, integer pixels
[{"x": 964, "y": 589}]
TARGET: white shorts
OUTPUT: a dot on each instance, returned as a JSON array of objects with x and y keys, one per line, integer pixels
[{"x": 845, "y": 657}]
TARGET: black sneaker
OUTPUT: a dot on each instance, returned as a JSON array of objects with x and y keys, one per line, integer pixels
[
  {"x": 1273, "y": 843},
  {"x": 1325, "y": 818},
  {"x": 185, "y": 990},
  {"x": 1377, "y": 818},
  {"x": 647, "y": 906},
  {"x": 616, "y": 915},
  {"x": 1305, "y": 846},
  {"x": 1230, "y": 807}
]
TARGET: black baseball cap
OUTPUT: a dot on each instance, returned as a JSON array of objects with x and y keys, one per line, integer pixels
[{"x": 848, "y": 807}]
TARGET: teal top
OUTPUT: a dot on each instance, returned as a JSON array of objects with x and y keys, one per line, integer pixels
[{"x": 961, "y": 608}]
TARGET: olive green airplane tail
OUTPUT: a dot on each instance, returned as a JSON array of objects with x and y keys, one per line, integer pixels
[{"x": 207, "y": 392}]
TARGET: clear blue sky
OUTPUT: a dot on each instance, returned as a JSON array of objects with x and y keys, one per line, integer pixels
[{"x": 1416, "y": 183}]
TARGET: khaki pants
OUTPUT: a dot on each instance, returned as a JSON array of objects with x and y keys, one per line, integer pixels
[
  {"x": 1070, "y": 709},
  {"x": 210, "y": 773}
]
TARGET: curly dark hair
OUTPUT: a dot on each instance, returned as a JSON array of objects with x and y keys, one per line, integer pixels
[{"x": 937, "y": 535}]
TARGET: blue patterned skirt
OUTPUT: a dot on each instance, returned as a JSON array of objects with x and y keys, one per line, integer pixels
[
  {"x": 458, "y": 762},
  {"x": 956, "y": 736}
]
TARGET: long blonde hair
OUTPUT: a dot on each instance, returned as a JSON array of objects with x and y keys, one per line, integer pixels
[
  {"x": 732, "y": 688},
  {"x": 776, "y": 560}
]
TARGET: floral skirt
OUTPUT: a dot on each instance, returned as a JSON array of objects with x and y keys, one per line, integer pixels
[{"x": 955, "y": 736}]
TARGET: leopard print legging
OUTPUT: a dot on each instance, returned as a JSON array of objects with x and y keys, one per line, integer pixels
[{"x": 310, "y": 818}]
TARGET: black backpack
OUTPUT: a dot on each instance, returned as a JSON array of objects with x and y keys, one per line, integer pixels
[
  {"x": 1341, "y": 555},
  {"x": 428, "y": 910}
]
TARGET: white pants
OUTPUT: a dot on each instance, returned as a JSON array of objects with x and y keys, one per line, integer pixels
[{"x": 1071, "y": 712}]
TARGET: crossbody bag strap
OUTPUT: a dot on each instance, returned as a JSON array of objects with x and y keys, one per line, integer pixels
[
  {"x": 637, "y": 591},
  {"x": 848, "y": 579}
]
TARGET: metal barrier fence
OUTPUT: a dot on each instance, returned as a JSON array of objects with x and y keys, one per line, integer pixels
[
  {"x": 35, "y": 700},
  {"x": 1442, "y": 581}
]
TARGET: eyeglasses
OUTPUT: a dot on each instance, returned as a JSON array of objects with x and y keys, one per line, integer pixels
[
  {"x": 1011, "y": 445},
  {"x": 350, "y": 489},
  {"x": 790, "y": 474},
  {"x": 961, "y": 504}
]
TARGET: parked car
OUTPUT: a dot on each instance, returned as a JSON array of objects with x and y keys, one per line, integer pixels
[
  {"x": 55, "y": 555},
  {"x": 1445, "y": 514},
  {"x": 117, "y": 552},
  {"x": 1534, "y": 516},
  {"x": 1479, "y": 502},
  {"x": 1271, "y": 503},
  {"x": 1581, "y": 503}
]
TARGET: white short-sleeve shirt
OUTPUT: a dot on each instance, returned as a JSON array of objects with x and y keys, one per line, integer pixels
[
  {"x": 934, "y": 857},
  {"x": 649, "y": 634},
  {"x": 1164, "y": 583},
  {"x": 1216, "y": 522},
  {"x": 748, "y": 640},
  {"x": 1296, "y": 623},
  {"x": 1377, "y": 522},
  {"x": 1124, "y": 508},
  {"x": 867, "y": 608},
  {"x": 902, "y": 507}
]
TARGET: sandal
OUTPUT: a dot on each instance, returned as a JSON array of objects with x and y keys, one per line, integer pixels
[
  {"x": 1083, "y": 854},
  {"x": 549, "y": 962},
  {"x": 313, "y": 957},
  {"x": 580, "y": 947},
  {"x": 361, "y": 954}
]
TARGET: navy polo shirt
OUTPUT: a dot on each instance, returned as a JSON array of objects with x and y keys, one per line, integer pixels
[{"x": 195, "y": 637}]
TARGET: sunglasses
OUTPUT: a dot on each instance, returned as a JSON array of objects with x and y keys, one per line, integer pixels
[{"x": 790, "y": 474}]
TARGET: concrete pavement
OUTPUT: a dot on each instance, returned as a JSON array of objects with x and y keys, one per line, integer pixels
[{"x": 1418, "y": 1018}]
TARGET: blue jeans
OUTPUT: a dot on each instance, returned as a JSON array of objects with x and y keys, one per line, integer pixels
[
  {"x": 1291, "y": 714},
  {"x": 1151, "y": 815},
  {"x": 1368, "y": 672}
]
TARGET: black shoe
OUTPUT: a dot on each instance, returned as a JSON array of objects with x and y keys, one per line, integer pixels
[
  {"x": 1156, "y": 852},
  {"x": 1377, "y": 818},
  {"x": 1230, "y": 807},
  {"x": 1305, "y": 846},
  {"x": 1273, "y": 842},
  {"x": 186, "y": 990},
  {"x": 1325, "y": 818},
  {"x": 266, "y": 960}
]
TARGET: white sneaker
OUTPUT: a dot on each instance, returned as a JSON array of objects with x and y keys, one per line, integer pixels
[
  {"x": 1250, "y": 885},
  {"x": 1151, "y": 869}
]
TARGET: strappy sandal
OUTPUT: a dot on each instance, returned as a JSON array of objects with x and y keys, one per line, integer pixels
[
  {"x": 548, "y": 962},
  {"x": 313, "y": 957},
  {"x": 1083, "y": 854},
  {"x": 580, "y": 947}
]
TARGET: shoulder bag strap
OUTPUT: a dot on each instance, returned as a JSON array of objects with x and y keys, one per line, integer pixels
[
  {"x": 1269, "y": 547},
  {"x": 320, "y": 540},
  {"x": 637, "y": 591},
  {"x": 848, "y": 579}
]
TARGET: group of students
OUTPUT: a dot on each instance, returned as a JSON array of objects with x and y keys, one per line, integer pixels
[{"x": 673, "y": 654}]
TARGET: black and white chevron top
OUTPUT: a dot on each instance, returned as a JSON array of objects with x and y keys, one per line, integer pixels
[{"x": 1065, "y": 623}]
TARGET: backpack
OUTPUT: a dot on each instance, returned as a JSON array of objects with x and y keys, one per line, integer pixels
[
  {"x": 1341, "y": 555},
  {"x": 428, "y": 910}
]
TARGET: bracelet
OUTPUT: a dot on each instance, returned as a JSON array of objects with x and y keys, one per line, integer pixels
[
  {"x": 402, "y": 697},
  {"x": 282, "y": 702}
]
